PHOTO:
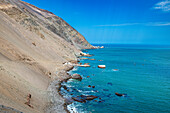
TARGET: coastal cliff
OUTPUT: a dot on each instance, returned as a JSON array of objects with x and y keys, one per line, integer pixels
[{"x": 34, "y": 45}]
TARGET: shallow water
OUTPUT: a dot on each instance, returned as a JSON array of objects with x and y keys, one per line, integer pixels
[{"x": 143, "y": 75}]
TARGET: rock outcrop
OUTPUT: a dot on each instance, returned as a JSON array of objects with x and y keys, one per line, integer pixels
[
  {"x": 76, "y": 76},
  {"x": 34, "y": 19}
]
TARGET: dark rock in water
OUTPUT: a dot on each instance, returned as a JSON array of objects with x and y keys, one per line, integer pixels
[
  {"x": 109, "y": 83},
  {"x": 89, "y": 85},
  {"x": 68, "y": 90},
  {"x": 84, "y": 98},
  {"x": 93, "y": 86},
  {"x": 105, "y": 90},
  {"x": 64, "y": 87},
  {"x": 76, "y": 76},
  {"x": 79, "y": 99},
  {"x": 89, "y": 97},
  {"x": 118, "y": 94}
]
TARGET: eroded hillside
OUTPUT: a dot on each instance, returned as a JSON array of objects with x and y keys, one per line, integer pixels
[{"x": 34, "y": 44}]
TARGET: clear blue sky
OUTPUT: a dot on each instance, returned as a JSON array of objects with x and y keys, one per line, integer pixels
[{"x": 115, "y": 21}]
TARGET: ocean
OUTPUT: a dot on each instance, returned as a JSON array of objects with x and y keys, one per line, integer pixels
[{"x": 141, "y": 73}]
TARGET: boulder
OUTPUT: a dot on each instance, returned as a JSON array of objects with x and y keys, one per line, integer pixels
[
  {"x": 118, "y": 94},
  {"x": 85, "y": 65},
  {"x": 101, "y": 66},
  {"x": 88, "y": 97},
  {"x": 76, "y": 76},
  {"x": 84, "y": 98},
  {"x": 79, "y": 99},
  {"x": 85, "y": 54}
]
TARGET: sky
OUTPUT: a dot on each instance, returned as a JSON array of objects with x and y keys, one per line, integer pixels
[{"x": 115, "y": 21}]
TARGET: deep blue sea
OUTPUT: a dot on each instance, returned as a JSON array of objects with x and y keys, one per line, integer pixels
[{"x": 143, "y": 74}]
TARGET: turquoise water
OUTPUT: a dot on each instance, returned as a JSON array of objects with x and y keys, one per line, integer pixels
[{"x": 143, "y": 75}]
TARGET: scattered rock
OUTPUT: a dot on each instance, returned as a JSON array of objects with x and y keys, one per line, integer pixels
[
  {"x": 89, "y": 97},
  {"x": 79, "y": 99},
  {"x": 84, "y": 65},
  {"x": 84, "y": 98},
  {"x": 64, "y": 87},
  {"x": 109, "y": 83},
  {"x": 93, "y": 86},
  {"x": 118, "y": 94},
  {"x": 101, "y": 66},
  {"x": 84, "y": 54},
  {"x": 76, "y": 76},
  {"x": 89, "y": 85}
]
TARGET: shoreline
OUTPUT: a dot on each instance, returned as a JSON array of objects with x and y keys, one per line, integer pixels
[
  {"x": 59, "y": 89},
  {"x": 66, "y": 78},
  {"x": 57, "y": 99}
]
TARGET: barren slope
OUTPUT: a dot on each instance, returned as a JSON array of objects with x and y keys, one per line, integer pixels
[{"x": 34, "y": 44}]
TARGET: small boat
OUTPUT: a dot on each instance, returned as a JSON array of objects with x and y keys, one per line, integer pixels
[
  {"x": 101, "y": 66},
  {"x": 118, "y": 94}
]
